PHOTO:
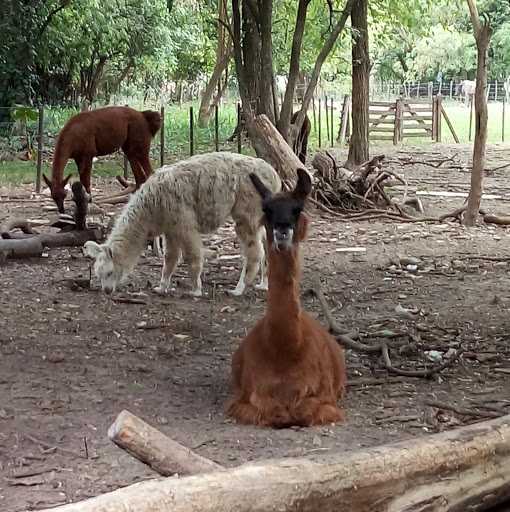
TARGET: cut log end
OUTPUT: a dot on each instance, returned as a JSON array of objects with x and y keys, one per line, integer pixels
[{"x": 152, "y": 447}]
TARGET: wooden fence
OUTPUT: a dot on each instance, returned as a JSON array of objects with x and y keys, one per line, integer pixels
[{"x": 406, "y": 118}]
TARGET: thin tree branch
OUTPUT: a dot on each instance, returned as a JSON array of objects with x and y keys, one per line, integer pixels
[
  {"x": 229, "y": 28},
  {"x": 286, "y": 113},
  {"x": 48, "y": 19},
  {"x": 326, "y": 50}
]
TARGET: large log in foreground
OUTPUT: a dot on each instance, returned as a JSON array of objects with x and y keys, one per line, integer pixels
[
  {"x": 62, "y": 239},
  {"x": 153, "y": 448},
  {"x": 452, "y": 471},
  {"x": 280, "y": 154},
  {"x": 28, "y": 248}
]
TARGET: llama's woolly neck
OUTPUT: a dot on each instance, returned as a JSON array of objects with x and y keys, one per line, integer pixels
[
  {"x": 284, "y": 307},
  {"x": 130, "y": 231}
]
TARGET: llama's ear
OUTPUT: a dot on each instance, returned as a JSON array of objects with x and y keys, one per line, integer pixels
[
  {"x": 92, "y": 249},
  {"x": 303, "y": 185},
  {"x": 302, "y": 229},
  {"x": 261, "y": 188},
  {"x": 47, "y": 181},
  {"x": 64, "y": 183}
]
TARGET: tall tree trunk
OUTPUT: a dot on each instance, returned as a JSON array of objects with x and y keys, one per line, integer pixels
[
  {"x": 295, "y": 56},
  {"x": 223, "y": 54},
  {"x": 482, "y": 37},
  {"x": 359, "y": 144},
  {"x": 94, "y": 84},
  {"x": 247, "y": 59},
  {"x": 206, "y": 105},
  {"x": 266, "y": 105}
]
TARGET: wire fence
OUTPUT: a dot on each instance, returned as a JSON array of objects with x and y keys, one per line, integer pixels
[
  {"x": 28, "y": 135},
  {"x": 497, "y": 91}
]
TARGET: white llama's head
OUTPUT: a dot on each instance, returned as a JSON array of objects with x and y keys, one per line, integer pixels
[{"x": 106, "y": 268}]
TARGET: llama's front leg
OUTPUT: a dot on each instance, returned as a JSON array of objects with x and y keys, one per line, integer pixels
[
  {"x": 263, "y": 285},
  {"x": 145, "y": 162},
  {"x": 138, "y": 172},
  {"x": 171, "y": 250},
  {"x": 253, "y": 252},
  {"x": 84, "y": 165},
  {"x": 192, "y": 252}
]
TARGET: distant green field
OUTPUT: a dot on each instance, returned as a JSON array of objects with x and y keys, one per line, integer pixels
[{"x": 177, "y": 138}]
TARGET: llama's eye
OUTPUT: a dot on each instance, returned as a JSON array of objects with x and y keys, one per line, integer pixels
[{"x": 296, "y": 212}]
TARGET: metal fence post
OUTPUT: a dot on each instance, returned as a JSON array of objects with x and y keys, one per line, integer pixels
[
  {"x": 162, "y": 139},
  {"x": 191, "y": 141},
  {"x": 40, "y": 143}
]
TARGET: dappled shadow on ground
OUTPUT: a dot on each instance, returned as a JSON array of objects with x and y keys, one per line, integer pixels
[{"x": 72, "y": 358}]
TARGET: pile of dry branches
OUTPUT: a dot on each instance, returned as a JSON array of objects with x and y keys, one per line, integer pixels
[{"x": 364, "y": 188}]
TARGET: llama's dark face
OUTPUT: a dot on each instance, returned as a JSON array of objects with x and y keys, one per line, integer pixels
[
  {"x": 106, "y": 269},
  {"x": 58, "y": 192},
  {"x": 282, "y": 212}
]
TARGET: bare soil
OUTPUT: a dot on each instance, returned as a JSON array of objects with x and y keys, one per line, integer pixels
[{"x": 71, "y": 359}]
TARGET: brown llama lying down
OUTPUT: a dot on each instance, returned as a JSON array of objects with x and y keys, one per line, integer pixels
[
  {"x": 301, "y": 142},
  {"x": 288, "y": 370},
  {"x": 102, "y": 132}
]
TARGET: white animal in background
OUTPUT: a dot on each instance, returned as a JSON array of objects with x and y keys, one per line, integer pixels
[
  {"x": 181, "y": 202},
  {"x": 466, "y": 91}
]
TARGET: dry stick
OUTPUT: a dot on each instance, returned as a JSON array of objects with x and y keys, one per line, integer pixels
[
  {"x": 125, "y": 183},
  {"x": 467, "y": 411},
  {"x": 484, "y": 258},
  {"x": 49, "y": 446},
  {"x": 129, "y": 300},
  {"x": 382, "y": 346},
  {"x": 417, "y": 373},
  {"x": 422, "y": 162}
]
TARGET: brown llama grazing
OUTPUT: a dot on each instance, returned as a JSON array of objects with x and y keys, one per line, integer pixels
[
  {"x": 288, "y": 370},
  {"x": 102, "y": 132},
  {"x": 301, "y": 142}
]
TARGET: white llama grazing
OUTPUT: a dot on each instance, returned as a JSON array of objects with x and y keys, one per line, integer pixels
[{"x": 180, "y": 202}]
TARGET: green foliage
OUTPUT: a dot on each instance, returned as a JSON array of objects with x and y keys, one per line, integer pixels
[{"x": 418, "y": 39}]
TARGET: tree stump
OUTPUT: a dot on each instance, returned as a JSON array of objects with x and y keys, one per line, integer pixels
[{"x": 281, "y": 155}]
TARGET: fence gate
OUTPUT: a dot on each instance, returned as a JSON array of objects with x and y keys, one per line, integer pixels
[
  {"x": 381, "y": 120},
  {"x": 416, "y": 118},
  {"x": 403, "y": 119}
]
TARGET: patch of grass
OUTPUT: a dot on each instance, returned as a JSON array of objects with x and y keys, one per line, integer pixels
[
  {"x": 177, "y": 137},
  {"x": 17, "y": 172}
]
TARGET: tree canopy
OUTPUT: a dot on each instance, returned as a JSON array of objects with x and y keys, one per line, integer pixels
[{"x": 55, "y": 51}]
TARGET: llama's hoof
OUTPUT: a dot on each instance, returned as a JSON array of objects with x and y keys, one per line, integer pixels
[
  {"x": 160, "y": 290},
  {"x": 235, "y": 292},
  {"x": 194, "y": 293},
  {"x": 262, "y": 286}
]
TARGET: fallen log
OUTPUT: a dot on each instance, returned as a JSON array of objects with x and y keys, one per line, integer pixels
[
  {"x": 280, "y": 154},
  {"x": 452, "y": 471},
  {"x": 495, "y": 219},
  {"x": 153, "y": 448},
  {"x": 28, "y": 248},
  {"x": 62, "y": 239},
  {"x": 10, "y": 224}
]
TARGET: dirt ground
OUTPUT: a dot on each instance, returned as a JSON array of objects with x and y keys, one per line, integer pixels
[{"x": 72, "y": 359}]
